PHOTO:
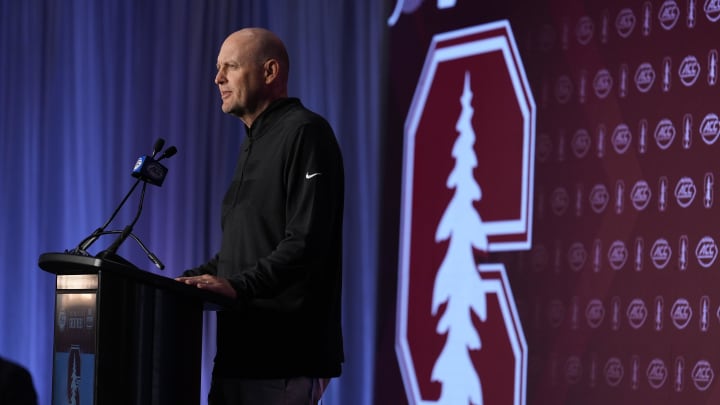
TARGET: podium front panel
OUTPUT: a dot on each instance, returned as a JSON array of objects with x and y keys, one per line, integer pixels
[{"x": 74, "y": 351}]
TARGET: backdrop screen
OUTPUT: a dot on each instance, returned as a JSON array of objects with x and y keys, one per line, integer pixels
[{"x": 615, "y": 284}]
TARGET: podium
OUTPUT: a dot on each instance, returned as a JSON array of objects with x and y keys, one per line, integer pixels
[{"x": 124, "y": 335}]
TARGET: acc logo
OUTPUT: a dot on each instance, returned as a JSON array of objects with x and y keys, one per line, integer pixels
[
  {"x": 584, "y": 30},
  {"x": 544, "y": 147},
  {"x": 640, "y": 195},
  {"x": 599, "y": 198},
  {"x": 602, "y": 83},
  {"x": 613, "y": 371},
  {"x": 625, "y": 22},
  {"x": 617, "y": 254},
  {"x": 637, "y": 313},
  {"x": 660, "y": 253},
  {"x": 706, "y": 251},
  {"x": 581, "y": 143},
  {"x": 577, "y": 256},
  {"x": 573, "y": 370},
  {"x": 689, "y": 70},
  {"x": 669, "y": 14},
  {"x": 657, "y": 373},
  {"x": 563, "y": 89},
  {"x": 712, "y": 10},
  {"x": 664, "y": 133},
  {"x": 595, "y": 313},
  {"x": 702, "y": 375},
  {"x": 681, "y": 313},
  {"x": 621, "y": 138},
  {"x": 644, "y": 77},
  {"x": 685, "y": 192},
  {"x": 559, "y": 201},
  {"x": 710, "y": 128}
]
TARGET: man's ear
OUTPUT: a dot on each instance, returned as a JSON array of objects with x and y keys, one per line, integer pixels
[{"x": 272, "y": 70}]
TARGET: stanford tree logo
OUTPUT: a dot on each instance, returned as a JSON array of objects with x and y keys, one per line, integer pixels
[{"x": 467, "y": 191}]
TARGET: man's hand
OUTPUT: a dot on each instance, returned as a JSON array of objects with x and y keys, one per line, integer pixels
[{"x": 211, "y": 283}]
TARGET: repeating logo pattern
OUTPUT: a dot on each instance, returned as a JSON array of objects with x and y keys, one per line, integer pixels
[
  {"x": 627, "y": 232},
  {"x": 617, "y": 292},
  {"x": 634, "y": 373}
]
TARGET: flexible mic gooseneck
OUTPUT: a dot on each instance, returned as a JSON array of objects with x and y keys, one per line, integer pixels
[
  {"x": 85, "y": 244},
  {"x": 89, "y": 240},
  {"x": 128, "y": 229},
  {"x": 144, "y": 174}
]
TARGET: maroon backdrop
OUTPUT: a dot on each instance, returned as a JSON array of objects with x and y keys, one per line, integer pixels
[{"x": 617, "y": 293}]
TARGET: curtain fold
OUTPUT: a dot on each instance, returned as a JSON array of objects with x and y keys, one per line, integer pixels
[{"x": 86, "y": 87}]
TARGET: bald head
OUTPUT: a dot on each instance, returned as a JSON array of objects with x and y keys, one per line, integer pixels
[
  {"x": 264, "y": 45},
  {"x": 253, "y": 67}
]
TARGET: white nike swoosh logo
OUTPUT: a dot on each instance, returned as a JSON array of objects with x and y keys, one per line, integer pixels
[{"x": 310, "y": 176}]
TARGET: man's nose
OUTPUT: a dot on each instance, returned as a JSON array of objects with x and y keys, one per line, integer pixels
[{"x": 220, "y": 77}]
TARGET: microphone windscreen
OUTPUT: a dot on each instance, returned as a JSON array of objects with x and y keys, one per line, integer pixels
[
  {"x": 158, "y": 145},
  {"x": 169, "y": 152}
]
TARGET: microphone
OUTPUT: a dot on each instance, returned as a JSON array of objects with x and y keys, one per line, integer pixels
[
  {"x": 157, "y": 146},
  {"x": 150, "y": 171},
  {"x": 82, "y": 248},
  {"x": 169, "y": 152}
]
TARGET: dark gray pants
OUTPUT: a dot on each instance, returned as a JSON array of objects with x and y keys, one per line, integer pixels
[{"x": 245, "y": 391}]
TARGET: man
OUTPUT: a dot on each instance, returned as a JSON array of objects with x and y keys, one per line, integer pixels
[{"x": 281, "y": 250}]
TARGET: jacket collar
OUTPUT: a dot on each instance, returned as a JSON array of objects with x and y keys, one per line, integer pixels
[{"x": 269, "y": 116}]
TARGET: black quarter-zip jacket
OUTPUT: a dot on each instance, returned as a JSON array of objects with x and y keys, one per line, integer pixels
[{"x": 282, "y": 249}]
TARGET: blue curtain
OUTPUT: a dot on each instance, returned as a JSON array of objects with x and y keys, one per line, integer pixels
[{"x": 87, "y": 86}]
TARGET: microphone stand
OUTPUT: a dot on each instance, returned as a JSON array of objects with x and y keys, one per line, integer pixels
[
  {"x": 83, "y": 246},
  {"x": 110, "y": 252},
  {"x": 150, "y": 255}
]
